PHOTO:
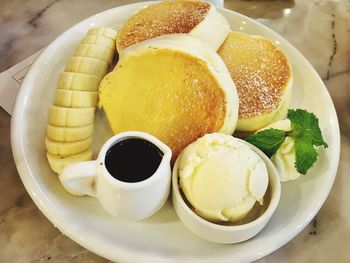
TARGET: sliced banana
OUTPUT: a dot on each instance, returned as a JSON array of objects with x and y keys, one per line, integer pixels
[
  {"x": 69, "y": 134},
  {"x": 67, "y": 148},
  {"x": 70, "y": 120},
  {"x": 103, "y": 31},
  {"x": 87, "y": 65},
  {"x": 57, "y": 163},
  {"x": 99, "y": 40},
  {"x": 78, "y": 81},
  {"x": 95, "y": 51},
  {"x": 71, "y": 117},
  {"x": 76, "y": 99}
]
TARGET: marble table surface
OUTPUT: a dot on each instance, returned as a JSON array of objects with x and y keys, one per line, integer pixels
[{"x": 320, "y": 29}]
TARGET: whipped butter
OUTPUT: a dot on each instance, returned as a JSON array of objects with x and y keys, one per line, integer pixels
[
  {"x": 222, "y": 177},
  {"x": 284, "y": 157}
]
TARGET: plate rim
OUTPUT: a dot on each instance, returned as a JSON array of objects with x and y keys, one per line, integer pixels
[{"x": 125, "y": 255}]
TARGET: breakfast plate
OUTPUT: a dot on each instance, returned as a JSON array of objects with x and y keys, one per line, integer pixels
[{"x": 162, "y": 237}]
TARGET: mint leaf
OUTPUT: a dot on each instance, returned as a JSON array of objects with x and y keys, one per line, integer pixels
[
  {"x": 306, "y": 135},
  {"x": 267, "y": 140},
  {"x": 305, "y": 154},
  {"x": 306, "y": 122}
]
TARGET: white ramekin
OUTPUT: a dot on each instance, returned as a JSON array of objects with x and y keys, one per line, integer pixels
[{"x": 220, "y": 233}]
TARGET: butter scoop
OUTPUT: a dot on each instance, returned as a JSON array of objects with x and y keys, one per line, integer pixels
[
  {"x": 222, "y": 178},
  {"x": 284, "y": 157}
]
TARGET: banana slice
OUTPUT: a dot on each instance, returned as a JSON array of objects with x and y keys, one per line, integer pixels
[
  {"x": 76, "y": 99},
  {"x": 87, "y": 65},
  {"x": 99, "y": 40},
  {"x": 78, "y": 81},
  {"x": 70, "y": 120},
  {"x": 71, "y": 117},
  {"x": 103, "y": 31},
  {"x": 57, "y": 163},
  {"x": 67, "y": 148},
  {"x": 69, "y": 134},
  {"x": 95, "y": 51}
]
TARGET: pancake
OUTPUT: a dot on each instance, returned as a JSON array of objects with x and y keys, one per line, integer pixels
[
  {"x": 172, "y": 87},
  {"x": 198, "y": 18},
  {"x": 263, "y": 78}
]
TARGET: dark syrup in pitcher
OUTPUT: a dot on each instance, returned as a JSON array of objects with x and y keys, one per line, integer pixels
[{"x": 133, "y": 160}]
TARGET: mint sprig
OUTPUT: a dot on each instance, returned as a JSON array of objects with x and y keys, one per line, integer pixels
[
  {"x": 306, "y": 124},
  {"x": 305, "y": 132}
]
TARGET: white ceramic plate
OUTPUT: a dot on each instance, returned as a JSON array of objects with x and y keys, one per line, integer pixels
[{"x": 161, "y": 238}]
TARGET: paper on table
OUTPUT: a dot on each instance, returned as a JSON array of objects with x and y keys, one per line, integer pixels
[{"x": 11, "y": 79}]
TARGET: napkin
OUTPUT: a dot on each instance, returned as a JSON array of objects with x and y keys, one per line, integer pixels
[{"x": 11, "y": 79}]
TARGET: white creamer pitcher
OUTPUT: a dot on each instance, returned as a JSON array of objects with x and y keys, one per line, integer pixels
[{"x": 129, "y": 201}]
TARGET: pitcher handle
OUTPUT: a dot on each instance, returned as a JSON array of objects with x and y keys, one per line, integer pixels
[{"x": 79, "y": 178}]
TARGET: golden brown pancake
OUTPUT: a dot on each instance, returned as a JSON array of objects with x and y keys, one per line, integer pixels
[
  {"x": 262, "y": 76},
  {"x": 199, "y": 18},
  {"x": 171, "y": 94}
]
